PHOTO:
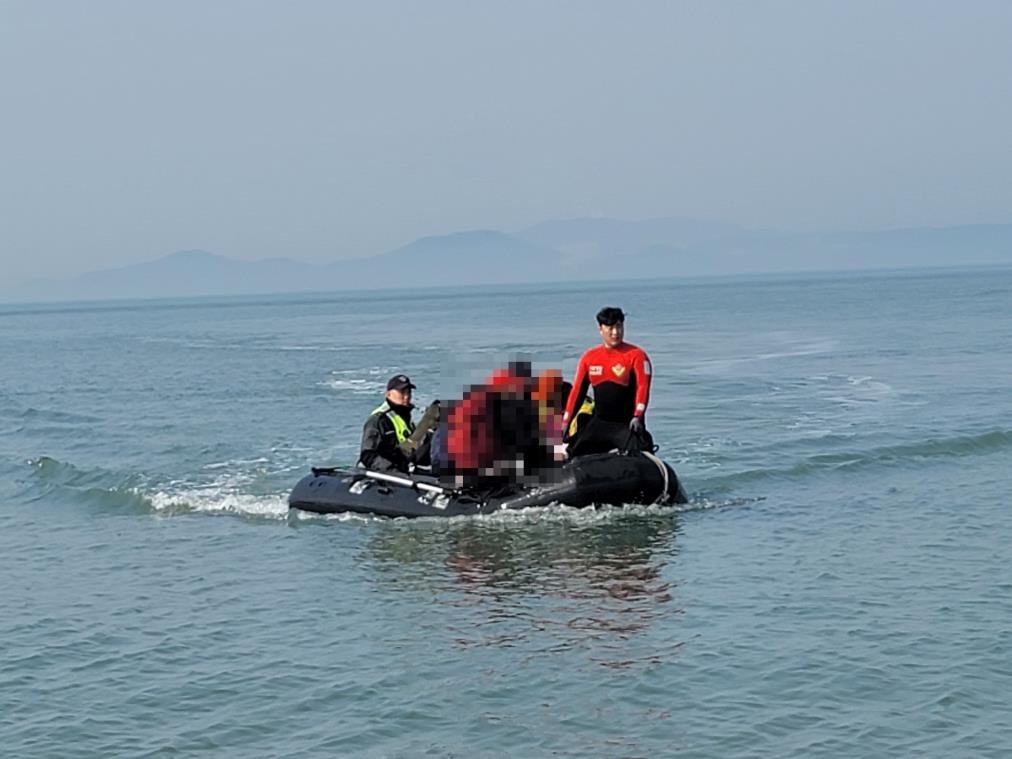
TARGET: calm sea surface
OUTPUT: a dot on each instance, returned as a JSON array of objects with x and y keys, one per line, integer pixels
[{"x": 839, "y": 586}]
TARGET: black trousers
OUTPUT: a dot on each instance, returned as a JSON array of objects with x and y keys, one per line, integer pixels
[{"x": 599, "y": 436}]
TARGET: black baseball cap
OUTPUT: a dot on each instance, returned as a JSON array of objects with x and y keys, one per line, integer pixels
[{"x": 399, "y": 382}]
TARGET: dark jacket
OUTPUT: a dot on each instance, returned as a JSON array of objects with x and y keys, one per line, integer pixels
[{"x": 381, "y": 451}]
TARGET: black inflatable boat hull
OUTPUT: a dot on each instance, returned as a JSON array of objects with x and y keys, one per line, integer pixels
[{"x": 615, "y": 479}]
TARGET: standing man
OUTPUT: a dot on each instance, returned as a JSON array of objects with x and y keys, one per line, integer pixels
[
  {"x": 390, "y": 442},
  {"x": 619, "y": 372}
]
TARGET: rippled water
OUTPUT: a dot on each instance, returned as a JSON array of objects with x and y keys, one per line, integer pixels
[{"x": 838, "y": 586}]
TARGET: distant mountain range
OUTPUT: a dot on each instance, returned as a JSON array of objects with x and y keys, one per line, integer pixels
[{"x": 553, "y": 251}]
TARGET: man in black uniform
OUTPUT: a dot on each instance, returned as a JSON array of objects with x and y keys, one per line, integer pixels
[{"x": 390, "y": 441}]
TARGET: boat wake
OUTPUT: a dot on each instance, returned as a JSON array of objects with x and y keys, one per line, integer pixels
[{"x": 61, "y": 482}]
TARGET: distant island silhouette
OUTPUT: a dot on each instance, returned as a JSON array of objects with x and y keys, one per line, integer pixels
[{"x": 554, "y": 251}]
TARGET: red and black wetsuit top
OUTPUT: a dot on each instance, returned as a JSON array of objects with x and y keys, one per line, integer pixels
[{"x": 621, "y": 380}]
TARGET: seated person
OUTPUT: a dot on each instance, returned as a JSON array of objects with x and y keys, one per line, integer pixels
[
  {"x": 550, "y": 397},
  {"x": 492, "y": 433},
  {"x": 390, "y": 440}
]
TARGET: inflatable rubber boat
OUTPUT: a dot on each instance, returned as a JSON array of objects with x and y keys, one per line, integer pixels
[{"x": 600, "y": 479}]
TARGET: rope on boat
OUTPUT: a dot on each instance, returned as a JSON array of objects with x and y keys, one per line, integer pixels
[{"x": 665, "y": 475}]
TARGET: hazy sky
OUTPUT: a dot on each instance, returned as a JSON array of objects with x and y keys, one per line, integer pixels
[{"x": 318, "y": 130}]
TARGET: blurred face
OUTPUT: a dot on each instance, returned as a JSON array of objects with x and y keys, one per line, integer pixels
[
  {"x": 558, "y": 400},
  {"x": 612, "y": 335},
  {"x": 399, "y": 397}
]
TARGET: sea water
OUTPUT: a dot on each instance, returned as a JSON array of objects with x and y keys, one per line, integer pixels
[{"x": 839, "y": 585}]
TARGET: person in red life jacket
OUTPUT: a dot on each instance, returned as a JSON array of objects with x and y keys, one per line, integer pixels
[
  {"x": 492, "y": 433},
  {"x": 550, "y": 398},
  {"x": 619, "y": 374}
]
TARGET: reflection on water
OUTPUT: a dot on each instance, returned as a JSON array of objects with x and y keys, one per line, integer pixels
[{"x": 543, "y": 586}]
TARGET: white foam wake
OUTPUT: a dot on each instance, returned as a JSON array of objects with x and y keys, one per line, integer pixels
[{"x": 216, "y": 501}]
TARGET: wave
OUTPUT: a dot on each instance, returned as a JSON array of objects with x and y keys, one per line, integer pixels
[
  {"x": 54, "y": 480},
  {"x": 50, "y": 473},
  {"x": 371, "y": 382},
  {"x": 790, "y": 349},
  {"x": 919, "y": 452},
  {"x": 33, "y": 414},
  {"x": 948, "y": 447},
  {"x": 312, "y": 348},
  {"x": 355, "y": 386},
  {"x": 63, "y": 417},
  {"x": 214, "y": 501}
]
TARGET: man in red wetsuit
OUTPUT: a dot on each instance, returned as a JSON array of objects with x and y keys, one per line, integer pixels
[{"x": 620, "y": 375}]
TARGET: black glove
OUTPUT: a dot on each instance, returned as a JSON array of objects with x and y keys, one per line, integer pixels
[
  {"x": 565, "y": 433},
  {"x": 636, "y": 425}
]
